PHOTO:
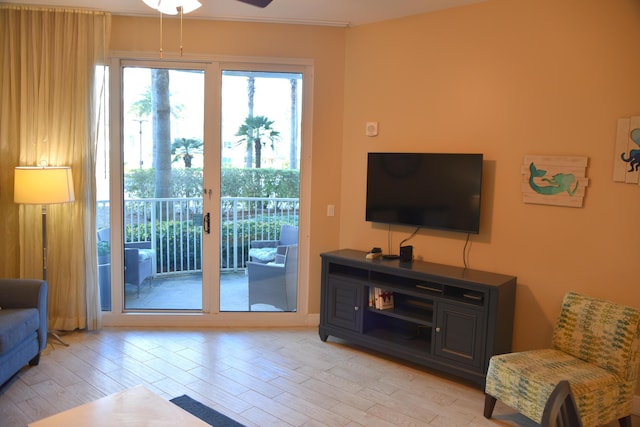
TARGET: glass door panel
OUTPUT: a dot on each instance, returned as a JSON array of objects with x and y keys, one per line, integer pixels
[
  {"x": 260, "y": 190},
  {"x": 163, "y": 147}
]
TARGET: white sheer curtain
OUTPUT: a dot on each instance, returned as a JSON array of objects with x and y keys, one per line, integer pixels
[{"x": 48, "y": 60}]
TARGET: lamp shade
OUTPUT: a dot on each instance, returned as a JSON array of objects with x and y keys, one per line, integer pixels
[
  {"x": 43, "y": 185},
  {"x": 171, "y": 7}
]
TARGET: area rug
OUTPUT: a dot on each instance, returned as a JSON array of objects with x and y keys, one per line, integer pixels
[{"x": 206, "y": 414}]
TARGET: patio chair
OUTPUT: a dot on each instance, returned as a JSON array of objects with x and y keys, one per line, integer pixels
[
  {"x": 139, "y": 260},
  {"x": 595, "y": 346},
  {"x": 264, "y": 251},
  {"x": 275, "y": 283}
]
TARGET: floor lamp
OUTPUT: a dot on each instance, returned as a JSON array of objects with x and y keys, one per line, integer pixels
[{"x": 43, "y": 185}]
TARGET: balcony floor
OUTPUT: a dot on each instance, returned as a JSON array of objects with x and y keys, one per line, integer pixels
[{"x": 184, "y": 292}]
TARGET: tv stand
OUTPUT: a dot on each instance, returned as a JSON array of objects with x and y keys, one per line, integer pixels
[{"x": 443, "y": 317}]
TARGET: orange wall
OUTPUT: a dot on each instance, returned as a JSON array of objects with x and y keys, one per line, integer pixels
[
  {"x": 324, "y": 45},
  {"x": 499, "y": 77},
  {"x": 507, "y": 78}
]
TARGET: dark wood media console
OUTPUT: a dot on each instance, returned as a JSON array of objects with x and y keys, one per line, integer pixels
[{"x": 443, "y": 317}]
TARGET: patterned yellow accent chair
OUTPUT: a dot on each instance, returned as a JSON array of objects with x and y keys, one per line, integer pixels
[{"x": 595, "y": 346}]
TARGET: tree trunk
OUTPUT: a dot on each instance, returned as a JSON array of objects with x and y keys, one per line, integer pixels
[
  {"x": 258, "y": 146},
  {"x": 161, "y": 113},
  {"x": 187, "y": 160},
  {"x": 251, "y": 91},
  {"x": 293, "y": 148}
]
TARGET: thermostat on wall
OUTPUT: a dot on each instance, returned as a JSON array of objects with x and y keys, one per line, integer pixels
[{"x": 371, "y": 129}]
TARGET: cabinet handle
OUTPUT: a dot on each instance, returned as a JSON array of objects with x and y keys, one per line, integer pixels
[
  {"x": 356, "y": 308},
  {"x": 429, "y": 288},
  {"x": 438, "y": 329}
]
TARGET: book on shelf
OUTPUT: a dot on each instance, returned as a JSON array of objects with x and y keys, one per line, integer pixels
[{"x": 380, "y": 299}]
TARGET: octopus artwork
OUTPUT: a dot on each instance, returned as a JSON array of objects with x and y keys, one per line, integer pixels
[{"x": 634, "y": 155}]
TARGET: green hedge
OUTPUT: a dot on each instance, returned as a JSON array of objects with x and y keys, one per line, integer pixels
[{"x": 264, "y": 182}]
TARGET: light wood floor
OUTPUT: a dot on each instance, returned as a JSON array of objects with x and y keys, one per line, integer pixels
[{"x": 284, "y": 377}]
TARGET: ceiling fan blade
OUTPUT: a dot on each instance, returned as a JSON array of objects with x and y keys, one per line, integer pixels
[{"x": 259, "y": 3}]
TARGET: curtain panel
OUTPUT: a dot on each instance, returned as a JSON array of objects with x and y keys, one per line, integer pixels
[{"x": 48, "y": 93}]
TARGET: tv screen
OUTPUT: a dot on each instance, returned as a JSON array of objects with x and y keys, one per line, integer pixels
[{"x": 431, "y": 190}]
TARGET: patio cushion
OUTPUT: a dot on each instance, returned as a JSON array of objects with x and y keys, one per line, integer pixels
[
  {"x": 144, "y": 254},
  {"x": 263, "y": 254}
]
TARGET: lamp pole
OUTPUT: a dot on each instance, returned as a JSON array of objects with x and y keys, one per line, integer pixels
[{"x": 43, "y": 185}]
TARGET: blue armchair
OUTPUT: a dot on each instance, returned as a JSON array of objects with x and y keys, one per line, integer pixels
[{"x": 23, "y": 324}]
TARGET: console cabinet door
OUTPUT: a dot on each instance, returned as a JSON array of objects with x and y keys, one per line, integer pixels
[
  {"x": 345, "y": 304},
  {"x": 459, "y": 334}
]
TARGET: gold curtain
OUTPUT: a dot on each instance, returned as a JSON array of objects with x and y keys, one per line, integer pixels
[{"x": 48, "y": 82}]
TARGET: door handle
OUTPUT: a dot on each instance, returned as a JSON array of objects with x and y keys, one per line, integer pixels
[{"x": 206, "y": 223}]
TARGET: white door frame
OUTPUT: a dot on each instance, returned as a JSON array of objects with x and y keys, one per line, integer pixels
[{"x": 210, "y": 315}]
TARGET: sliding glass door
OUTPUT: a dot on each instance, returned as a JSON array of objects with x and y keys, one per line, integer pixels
[
  {"x": 204, "y": 209},
  {"x": 260, "y": 190},
  {"x": 163, "y": 148}
]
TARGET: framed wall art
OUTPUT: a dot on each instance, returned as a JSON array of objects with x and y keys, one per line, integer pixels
[
  {"x": 554, "y": 180},
  {"x": 626, "y": 159}
]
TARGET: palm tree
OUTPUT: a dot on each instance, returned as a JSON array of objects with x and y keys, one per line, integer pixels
[
  {"x": 251, "y": 93},
  {"x": 253, "y": 131},
  {"x": 161, "y": 114},
  {"x": 185, "y": 148},
  {"x": 153, "y": 104},
  {"x": 293, "y": 147}
]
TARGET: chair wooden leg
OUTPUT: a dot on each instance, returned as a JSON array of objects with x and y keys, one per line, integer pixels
[
  {"x": 490, "y": 403},
  {"x": 625, "y": 421}
]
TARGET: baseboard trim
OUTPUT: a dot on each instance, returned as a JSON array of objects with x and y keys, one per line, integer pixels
[{"x": 635, "y": 405}]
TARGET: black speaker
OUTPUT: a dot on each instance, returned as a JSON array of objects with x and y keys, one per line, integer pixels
[{"x": 406, "y": 253}]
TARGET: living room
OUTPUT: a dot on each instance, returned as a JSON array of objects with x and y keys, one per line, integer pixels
[{"x": 502, "y": 78}]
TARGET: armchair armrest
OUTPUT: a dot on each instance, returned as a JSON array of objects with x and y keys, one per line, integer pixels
[
  {"x": 266, "y": 284},
  {"x": 23, "y": 293},
  {"x": 131, "y": 257},
  {"x": 138, "y": 245},
  {"x": 27, "y": 293},
  {"x": 257, "y": 244},
  {"x": 138, "y": 262},
  {"x": 258, "y": 271}
]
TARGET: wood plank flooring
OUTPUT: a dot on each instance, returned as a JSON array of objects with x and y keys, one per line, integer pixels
[{"x": 259, "y": 377}]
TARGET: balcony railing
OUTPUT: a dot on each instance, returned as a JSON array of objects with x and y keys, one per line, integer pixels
[{"x": 173, "y": 226}]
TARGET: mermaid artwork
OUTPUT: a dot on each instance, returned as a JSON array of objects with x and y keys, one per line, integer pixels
[{"x": 558, "y": 183}]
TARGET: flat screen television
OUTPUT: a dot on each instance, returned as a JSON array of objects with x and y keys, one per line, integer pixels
[{"x": 431, "y": 190}]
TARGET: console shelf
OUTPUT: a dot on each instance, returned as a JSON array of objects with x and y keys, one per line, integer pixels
[{"x": 443, "y": 317}]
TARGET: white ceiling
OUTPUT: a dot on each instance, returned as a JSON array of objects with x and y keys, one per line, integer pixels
[{"x": 315, "y": 12}]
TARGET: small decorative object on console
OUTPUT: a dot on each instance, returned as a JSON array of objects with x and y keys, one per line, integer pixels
[
  {"x": 380, "y": 299},
  {"x": 406, "y": 253},
  {"x": 374, "y": 253}
]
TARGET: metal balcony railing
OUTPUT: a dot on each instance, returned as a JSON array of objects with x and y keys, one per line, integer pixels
[{"x": 173, "y": 226}]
